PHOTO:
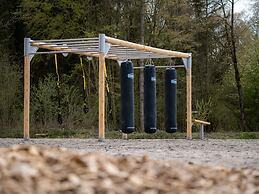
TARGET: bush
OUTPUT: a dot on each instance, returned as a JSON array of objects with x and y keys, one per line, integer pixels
[
  {"x": 10, "y": 101},
  {"x": 43, "y": 104}
]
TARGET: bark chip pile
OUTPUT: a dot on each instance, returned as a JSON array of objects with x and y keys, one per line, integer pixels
[{"x": 46, "y": 170}]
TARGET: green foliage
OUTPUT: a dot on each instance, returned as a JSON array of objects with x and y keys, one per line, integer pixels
[
  {"x": 10, "y": 93},
  {"x": 227, "y": 113},
  {"x": 43, "y": 105},
  {"x": 192, "y": 26},
  {"x": 249, "y": 61},
  {"x": 204, "y": 109},
  {"x": 45, "y": 100},
  {"x": 54, "y": 19}
]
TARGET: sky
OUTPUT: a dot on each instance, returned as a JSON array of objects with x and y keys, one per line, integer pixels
[{"x": 243, "y": 5}]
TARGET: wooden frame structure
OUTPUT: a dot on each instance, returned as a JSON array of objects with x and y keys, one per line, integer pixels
[{"x": 102, "y": 47}]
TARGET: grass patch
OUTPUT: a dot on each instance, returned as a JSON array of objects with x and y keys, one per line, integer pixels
[
  {"x": 86, "y": 134},
  {"x": 49, "y": 133},
  {"x": 233, "y": 135}
]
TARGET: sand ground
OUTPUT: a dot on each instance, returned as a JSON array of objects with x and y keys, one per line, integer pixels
[{"x": 230, "y": 153}]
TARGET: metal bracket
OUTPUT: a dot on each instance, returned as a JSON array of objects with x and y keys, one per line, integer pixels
[
  {"x": 65, "y": 54},
  {"x": 187, "y": 62},
  {"x": 29, "y": 49},
  {"x": 89, "y": 58},
  {"x": 121, "y": 61},
  {"x": 107, "y": 48},
  {"x": 103, "y": 46}
]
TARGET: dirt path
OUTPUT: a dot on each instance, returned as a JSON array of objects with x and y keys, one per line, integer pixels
[{"x": 231, "y": 153}]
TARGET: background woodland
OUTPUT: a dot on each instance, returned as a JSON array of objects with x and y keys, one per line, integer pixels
[{"x": 225, "y": 49}]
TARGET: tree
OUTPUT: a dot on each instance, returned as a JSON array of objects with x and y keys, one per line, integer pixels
[
  {"x": 207, "y": 28},
  {"x": 10, "y": 93},
  {"x": 231, "y": 41},
  {"x": 141, "y": 72}
]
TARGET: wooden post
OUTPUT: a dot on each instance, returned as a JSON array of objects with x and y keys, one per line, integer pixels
[
  {"x": 101, "y": 96},
  {"x": 101, "y": 86},
  {"x": 189, "y": 98},
  {"x": 26, "y": 118}
]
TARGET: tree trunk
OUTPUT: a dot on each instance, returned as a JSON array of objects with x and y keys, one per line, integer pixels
[
  {"x": 141, "y": 73},
  {"x": 237, "y": 74},
  {"x": 206, "y": 52}
]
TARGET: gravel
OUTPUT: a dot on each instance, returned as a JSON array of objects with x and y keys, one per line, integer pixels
[{"x": 228, "y": 153}]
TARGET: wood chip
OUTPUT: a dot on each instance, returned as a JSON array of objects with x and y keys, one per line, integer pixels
[{"x": 31, "y": 169}]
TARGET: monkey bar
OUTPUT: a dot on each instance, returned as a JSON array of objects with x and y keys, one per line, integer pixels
[{"x": 102, "y": 47}]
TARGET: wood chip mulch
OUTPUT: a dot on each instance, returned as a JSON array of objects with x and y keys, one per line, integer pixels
[{"x": 44, "y": 170}]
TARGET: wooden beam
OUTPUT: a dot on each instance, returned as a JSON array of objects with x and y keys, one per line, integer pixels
[
  {"x": 146, "y": 48},
  {"x": 26, "y": 116},
  {"x": 69, "y": 40},
  {"x": 201, "y": 122},
  {"x": 60, "y": 48},
  {"x": 70, "y": 50},
  {"x": 161, "y": 67},
  {"x": 101, "y": 96},
  {"x": 189, "y": 101}
]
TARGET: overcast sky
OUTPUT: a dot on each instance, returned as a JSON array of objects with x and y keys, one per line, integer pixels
[{"x": 243, "y": 5}]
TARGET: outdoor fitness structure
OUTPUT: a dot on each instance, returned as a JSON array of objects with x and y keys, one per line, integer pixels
[{"x": 102, "y": 47}]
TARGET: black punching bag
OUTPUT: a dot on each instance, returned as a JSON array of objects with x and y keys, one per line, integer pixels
[
  {"x": 170, "y": 100},
  {"x": 127, "y": 97},
  {"x": 150, "y": 99}
]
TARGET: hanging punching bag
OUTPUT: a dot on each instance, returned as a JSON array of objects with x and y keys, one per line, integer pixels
[
  {"x": 127, "y": 97},
  {"x": 150, "y": 99},
  {"x": 170, "y": 100}
]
